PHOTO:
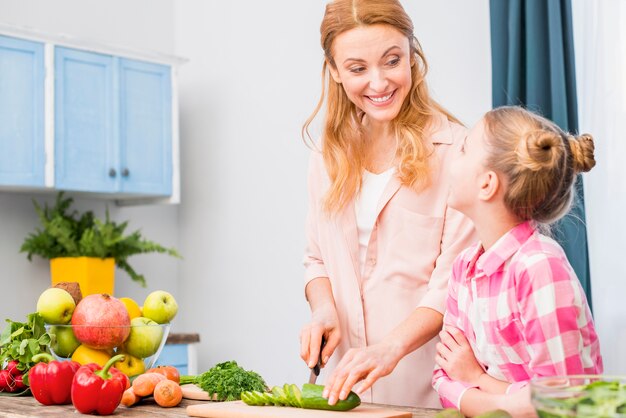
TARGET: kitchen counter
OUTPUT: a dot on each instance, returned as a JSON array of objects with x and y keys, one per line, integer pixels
[{"x": 28, "y": 407}]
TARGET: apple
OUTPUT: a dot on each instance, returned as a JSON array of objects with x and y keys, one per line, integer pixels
[
  {"x": 130, "y": 366},
  {"x": 144, "y": 339},
  {"x": 101, "y": 321},
  {"x": 56, "y": 306},
  {"x": 160, "y": 306},
  {"x": 64, "y": 341}
]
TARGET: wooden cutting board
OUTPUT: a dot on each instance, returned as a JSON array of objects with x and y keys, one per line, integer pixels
[
  {"x": 194, "y": 392},
  {"x": 238, "y": 409}
]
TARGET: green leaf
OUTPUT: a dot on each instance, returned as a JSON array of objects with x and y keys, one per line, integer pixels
[
  {"x": 22, "y": 349},
  {"x": 44, "y": 339},
  {"x": 66, "y": 233}
]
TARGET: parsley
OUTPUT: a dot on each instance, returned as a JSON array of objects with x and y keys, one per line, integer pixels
[
  {"x": 226, "y": 381},
  {"x": 20, "y": 341}
]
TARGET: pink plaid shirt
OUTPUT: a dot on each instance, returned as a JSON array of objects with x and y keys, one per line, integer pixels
[{"x": 523, "y": 311}]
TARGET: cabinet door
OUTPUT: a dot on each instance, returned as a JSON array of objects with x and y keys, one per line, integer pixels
[
  {"x": 145, "y": 128},
  {"x": 22, "y": 150},
  {"x": 86, "y": 151}
]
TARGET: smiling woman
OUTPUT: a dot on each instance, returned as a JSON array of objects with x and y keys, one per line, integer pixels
[{"x": 381, "y": 238}]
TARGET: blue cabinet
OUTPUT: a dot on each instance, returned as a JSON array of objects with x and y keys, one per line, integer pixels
[
  {"x": 22, "y": 142},
  {"x": 176, "y": 355},
  {"x": 145, "y": 128},
  {"x": 113, "y": 131}
]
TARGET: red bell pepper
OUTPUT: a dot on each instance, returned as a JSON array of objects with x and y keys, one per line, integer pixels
[
  {"x": 51, "y": 382},
  {"x": 99, "y": 390}
]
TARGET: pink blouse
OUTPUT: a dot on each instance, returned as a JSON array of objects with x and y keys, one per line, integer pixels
[{"x": 413, "y": 243}]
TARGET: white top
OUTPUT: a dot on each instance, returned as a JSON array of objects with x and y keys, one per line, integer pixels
[{"x": 372, "y": 187}]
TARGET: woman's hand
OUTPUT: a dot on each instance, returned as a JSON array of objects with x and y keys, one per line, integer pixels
[
  {"x": 368, "y": 364},
  {"x": 324, "y": 322},
  {"x": 456, "y": 357}
]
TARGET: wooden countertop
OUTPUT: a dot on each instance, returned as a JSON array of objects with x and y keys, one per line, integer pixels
[{"x": 28, "y": 407}]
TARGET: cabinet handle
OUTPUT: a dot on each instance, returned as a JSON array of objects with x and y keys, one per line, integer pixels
[
  {"x": 125, "y": 172},
  {"x": 112, "y": 172}
]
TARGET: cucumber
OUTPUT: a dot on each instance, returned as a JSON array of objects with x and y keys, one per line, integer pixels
[
  {"x": 279, "y": 394},
  {"x": 245, "y": 397},
  {"x": 312, "y": 399},
  {"x": 297, "y": 396},
  {"x": 449, "y": 413},
  {"x": 498, "y": 413}
]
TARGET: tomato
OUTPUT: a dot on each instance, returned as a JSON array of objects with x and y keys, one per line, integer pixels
[{"x": 170, "y": 372}]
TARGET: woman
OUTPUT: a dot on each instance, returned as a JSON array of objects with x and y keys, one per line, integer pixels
[{"x": 381, "y": 238}]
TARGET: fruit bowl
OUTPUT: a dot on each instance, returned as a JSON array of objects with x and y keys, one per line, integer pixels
[
  {"x": 141, "y": 344},
  {"x": 579, "y": 396}
]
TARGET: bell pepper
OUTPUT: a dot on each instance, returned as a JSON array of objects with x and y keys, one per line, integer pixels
[
  {"x": 51, "y": 382},
  {"x": 99, "y": 390}
]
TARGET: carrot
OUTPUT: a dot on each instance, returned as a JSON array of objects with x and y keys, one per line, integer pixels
[
  {"x": 129, "y": 398},
  {"x": 170, "y": 372},
  {"x": 144, "y": 384},
  {"x": 168, "y": 393}
]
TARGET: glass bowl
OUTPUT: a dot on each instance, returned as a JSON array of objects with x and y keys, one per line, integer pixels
[
  {"x": 141, "y": 344},
  {"x": 579, "y": 396}
]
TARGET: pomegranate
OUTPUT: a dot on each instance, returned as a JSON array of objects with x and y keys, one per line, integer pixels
[{"x": 101, "y": 321}]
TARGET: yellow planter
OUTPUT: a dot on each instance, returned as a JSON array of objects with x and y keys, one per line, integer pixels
[{"x": 94, "y": 275}]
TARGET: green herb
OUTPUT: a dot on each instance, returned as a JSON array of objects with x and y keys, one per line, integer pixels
[
  {"x": 227, "y": 380},
  {"x": 65, "y": 233},
  {"x": 20, "y": 341}
]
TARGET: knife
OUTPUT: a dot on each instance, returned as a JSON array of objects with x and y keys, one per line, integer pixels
[{"x": 315, "y": 371}]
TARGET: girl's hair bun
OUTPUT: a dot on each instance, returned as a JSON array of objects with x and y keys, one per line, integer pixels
[
  {"x": 582, "y": 152},
  {"x": 540, "y": 149}
]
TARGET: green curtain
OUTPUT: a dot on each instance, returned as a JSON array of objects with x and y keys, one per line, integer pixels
[{"x": 532, "y": 51}]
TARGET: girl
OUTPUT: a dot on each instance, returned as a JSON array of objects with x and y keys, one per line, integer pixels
[
  {"x": 515, "y": 309},
  {"x": 381, "y": 238}
]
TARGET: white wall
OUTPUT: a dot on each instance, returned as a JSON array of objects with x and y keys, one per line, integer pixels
[
  {"x": 252, "y": 79},
  {"x": 115, "y": 22}
]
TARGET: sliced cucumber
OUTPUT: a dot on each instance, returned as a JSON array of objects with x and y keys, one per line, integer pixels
[
  {"x": 310, "y": 397},
  {"x": 279, "y": 395},
  {"x": 297, "y": 395}
]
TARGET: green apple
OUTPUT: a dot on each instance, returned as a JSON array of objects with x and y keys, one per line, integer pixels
[
  {"x": 64, "y": 341},
  {"x": 160, "y": 306},
  {"x": 144, "y": 338},
  {"x": 56, "y": 306}
]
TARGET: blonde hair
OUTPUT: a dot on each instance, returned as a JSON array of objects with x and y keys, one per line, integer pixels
[
  {"x": 538, "y": 160},
  {"x": 343, "y": 149}
]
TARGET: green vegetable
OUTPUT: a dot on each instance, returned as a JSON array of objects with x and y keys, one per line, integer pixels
[
  {"x": 449, "y": 413},
  {"x": 498, "y": 413},
  {"x": 227, "y": 381},
  {"x": 66, "y": 234},
  {"x": 310, "y": 397},
  {"x": 20, "y": 341},
  {"x": 594, "y": 400}
]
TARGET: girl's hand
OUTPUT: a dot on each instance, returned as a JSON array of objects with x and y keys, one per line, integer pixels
[
  {"x": 324, "y": 322},
  {"x": 456, "y": 358},
  {"x": 518, "y": 403},
  {"x": 368, "y": 364}
]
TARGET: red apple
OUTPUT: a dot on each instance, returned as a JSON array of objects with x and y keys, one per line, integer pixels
[{"x": 101, "y": 321}]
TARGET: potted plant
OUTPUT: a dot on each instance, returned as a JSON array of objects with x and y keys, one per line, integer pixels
[{"x": 84, "y": 249}]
